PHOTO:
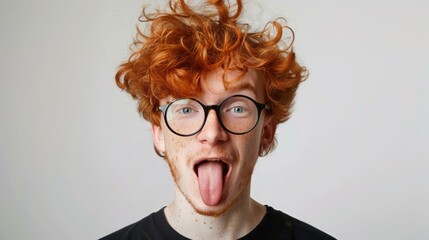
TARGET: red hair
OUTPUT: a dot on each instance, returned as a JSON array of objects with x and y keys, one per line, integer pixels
[{"x": 182, "y": 44}]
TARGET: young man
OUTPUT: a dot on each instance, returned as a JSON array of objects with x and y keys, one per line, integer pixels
[{"x": 214, "y": 92}]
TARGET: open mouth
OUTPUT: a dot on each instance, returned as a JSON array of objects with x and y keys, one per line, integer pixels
[
  {"x": 211, "y": 176},
  {"x": 224, "y": 166}
]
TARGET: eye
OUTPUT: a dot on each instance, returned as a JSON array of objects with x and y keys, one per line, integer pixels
[
  {"x": 184, "y": 107},
  {"x": 185, "y": 110},
  {"x": 238, "y": 109}
]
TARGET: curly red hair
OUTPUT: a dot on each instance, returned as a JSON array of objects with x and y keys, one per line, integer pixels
[{"x": 182, "y": 44}]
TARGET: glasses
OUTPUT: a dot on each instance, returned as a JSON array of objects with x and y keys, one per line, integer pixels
[{"x": 237, "y": 114}]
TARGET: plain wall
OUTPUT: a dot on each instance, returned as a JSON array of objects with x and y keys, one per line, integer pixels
[{"x": 77, "y": 162}]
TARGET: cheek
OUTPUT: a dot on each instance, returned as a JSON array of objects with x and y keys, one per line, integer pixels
[
  {"x": 176, "y": 142},
  {"x": 174, "y": 152},
  {"x": 173, "y": 168},
  {"x": 249, "y": 145},
  {"x": 175, "y": 145},
  {"x": 255, "y": 136}
]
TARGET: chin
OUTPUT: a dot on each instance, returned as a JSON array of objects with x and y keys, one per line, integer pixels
[
  {"x": 212, "y": 211},
  {"x": 216, "y": 210}
]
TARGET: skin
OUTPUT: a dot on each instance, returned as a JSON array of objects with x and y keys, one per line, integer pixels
[{"x": 237, "y": 213}]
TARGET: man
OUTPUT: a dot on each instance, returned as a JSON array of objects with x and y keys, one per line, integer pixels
[{"x": 214, "y": 92}]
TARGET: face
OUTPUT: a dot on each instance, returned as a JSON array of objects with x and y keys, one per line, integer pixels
[{"x": 212, "y": 169}]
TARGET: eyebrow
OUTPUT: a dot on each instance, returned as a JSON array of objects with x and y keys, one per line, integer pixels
[{"x": 246, "y": 86}]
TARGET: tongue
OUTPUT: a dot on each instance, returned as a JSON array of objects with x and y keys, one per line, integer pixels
[{"x": 210, "y": 180}]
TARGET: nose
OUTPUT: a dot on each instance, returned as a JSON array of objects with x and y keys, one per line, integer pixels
[{"x": 212, "y": 132}]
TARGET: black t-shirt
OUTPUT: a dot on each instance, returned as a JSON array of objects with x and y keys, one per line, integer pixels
[{"x": 274, "y": 225}]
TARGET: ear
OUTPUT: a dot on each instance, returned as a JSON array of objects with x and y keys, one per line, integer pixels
[
  {"x": 158, "y": 140},
  {"x": 268, "y": 134}
]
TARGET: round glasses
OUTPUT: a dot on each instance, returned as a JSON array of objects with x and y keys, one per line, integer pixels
[{"x": 237, "y": 114}]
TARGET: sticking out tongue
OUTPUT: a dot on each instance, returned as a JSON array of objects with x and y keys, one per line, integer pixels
[{"x": 210, "y": 180}]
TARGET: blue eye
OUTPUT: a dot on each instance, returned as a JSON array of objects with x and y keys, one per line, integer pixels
[
  {"x": 185, "y": 110},
  {"x": 238, "y": 110}
]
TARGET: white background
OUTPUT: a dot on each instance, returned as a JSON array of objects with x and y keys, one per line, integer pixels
[{"x": 76, "y": 160}]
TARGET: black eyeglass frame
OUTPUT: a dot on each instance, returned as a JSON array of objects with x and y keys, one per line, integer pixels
[{"x": 216, "y": 108}]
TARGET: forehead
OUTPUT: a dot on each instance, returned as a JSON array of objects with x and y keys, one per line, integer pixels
[{"x": 220, "y": 83}]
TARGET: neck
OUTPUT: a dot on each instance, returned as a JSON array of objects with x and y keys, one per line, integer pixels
[{"x": 241, "y": 218}]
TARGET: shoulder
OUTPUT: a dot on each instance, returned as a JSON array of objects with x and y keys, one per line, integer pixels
[
  {"x": 146, "y": 228},
  {"x": 299, "y": 229}
]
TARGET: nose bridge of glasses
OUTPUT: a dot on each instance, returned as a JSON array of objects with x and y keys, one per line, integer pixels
[{"x": 207, "y": 109}]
